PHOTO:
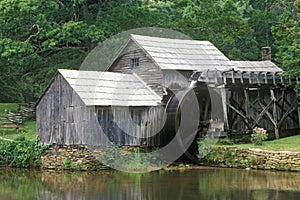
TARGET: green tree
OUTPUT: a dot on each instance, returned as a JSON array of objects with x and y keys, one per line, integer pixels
[
  {"x": 221, "y": 22},
  {"x": 287, "y": 35},
  {"x": 33, "y": 34}
]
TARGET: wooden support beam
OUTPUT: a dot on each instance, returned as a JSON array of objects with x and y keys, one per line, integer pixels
[
  {"x": 224, "y": 78},
  {"x": 275, "y": 117},
  {"x": 292, "y": 107},
  {"x": 232, "y": 77},
  {"x": 258, "y": 78},
  {"x": 266, "y": 78},
  {"x": 247, "y": 103},
  {"x": 224, "y": 100},
  {"x": 242, "y": 77},
  {"x": 274, "y": 78},
  {"x": 264, "y": 111},
  {"x": 244, "y": 117},
  {"x": 250, "y": 78}
]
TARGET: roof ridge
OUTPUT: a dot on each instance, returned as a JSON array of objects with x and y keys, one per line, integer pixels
[{"x": 164, "y": 38}]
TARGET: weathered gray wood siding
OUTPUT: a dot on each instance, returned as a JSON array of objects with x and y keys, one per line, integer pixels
[
  {"x": 146, "y": 70},
  {"x": 132, "y": 126},
  {"x": 62, "y": 117}
]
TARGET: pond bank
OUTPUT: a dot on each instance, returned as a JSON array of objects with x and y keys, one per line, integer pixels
[
  {"x": 78, "y": 157},
  {"x": 252, "y": 158}
]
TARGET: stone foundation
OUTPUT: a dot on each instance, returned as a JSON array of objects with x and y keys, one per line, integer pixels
[
  {"x": 78, "y": 157},
  {"x": 74, "y": 157},
  {"x": 253, "y": 158},
  {"x": 83, "y": 158}
]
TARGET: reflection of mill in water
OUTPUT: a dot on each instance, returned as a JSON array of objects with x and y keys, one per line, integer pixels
[{"x": 205, "y": 183}]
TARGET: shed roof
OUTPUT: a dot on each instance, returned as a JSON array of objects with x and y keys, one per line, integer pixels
[
  {"x": 178, "y": 54},
  {"x": 256, "y": 66},
  {"x": 108, "y": 88}
]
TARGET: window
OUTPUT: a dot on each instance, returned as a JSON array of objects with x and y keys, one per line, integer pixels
[{"x": 135, "y": 62}]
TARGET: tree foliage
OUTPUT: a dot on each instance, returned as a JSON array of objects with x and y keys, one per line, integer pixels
[
  {"x": 39, "y": 36},
  {"x": 287, "y": 35}
]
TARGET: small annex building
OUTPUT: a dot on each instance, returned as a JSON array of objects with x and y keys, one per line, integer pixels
[
  {"x": 141, "y": 86},
  {"x": 77, "y": 102}
]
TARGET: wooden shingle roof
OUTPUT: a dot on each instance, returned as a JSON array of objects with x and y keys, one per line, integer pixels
[
  {"x": 256, "y": 66},
  {"x": 108, "y": 88},
  {"x": 178, "y": 54}
]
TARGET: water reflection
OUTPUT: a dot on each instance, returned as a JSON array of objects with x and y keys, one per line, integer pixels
[{"x": 206, "y": 183}]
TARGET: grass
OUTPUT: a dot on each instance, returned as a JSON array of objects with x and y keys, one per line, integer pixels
[
  {"x": 291, "y": 143},
  {"x": 5, "y": 107},
  {"x": 29, "y": 130}
]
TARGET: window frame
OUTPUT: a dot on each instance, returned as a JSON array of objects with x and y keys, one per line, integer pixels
[{"x": 135, "y": 62}]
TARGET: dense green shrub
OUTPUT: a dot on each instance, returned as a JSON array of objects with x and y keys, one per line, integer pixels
[{"x": 21, "y": 152}]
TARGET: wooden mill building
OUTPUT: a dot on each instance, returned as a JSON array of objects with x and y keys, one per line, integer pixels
[{"x": 140, "y": 86}]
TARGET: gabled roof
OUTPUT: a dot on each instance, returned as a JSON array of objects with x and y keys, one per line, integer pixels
[
  {"x": 178, "y": 54},
  {"x": 108, "y": 88},
  {"x": 256, "y": 66}
]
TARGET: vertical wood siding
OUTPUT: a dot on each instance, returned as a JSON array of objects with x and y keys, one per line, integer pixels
[
  {"x": 132, "y": 126},
  {"x": 62, "y": 118}
]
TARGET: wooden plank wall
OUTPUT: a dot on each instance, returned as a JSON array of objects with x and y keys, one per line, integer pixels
[
  {"x": 147, "y": 70},
  {"x": 273, "y": 108},
  {"x": 62, "y": 118},
  {"x": 132, "y": 126}
]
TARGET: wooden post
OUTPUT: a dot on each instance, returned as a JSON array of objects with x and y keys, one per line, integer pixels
[
  {"x": 232, "y": 77},
  {"x": 266, "y": 78},
  {"x": 224, "y": 105},
  {"x": 258, "y": 79},
  {"x": 275, "y": 118},
  {"x": 250, "y": 78},
  {"x": 247, "y": 104}
]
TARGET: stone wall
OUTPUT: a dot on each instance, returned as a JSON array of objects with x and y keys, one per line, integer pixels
[
  {"x": 252, "y": 158},
  {"x": 83, "y": 158},
  {"x": 74, "y": 157}
]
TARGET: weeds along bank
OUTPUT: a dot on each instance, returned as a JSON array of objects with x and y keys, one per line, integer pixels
[{"x": 252, "y": 158}]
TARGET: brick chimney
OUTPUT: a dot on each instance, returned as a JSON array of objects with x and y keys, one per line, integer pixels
[{"x": 266, "y": 53}]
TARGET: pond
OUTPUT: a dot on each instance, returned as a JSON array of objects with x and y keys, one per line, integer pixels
[{"x": 203, "y": 183}]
